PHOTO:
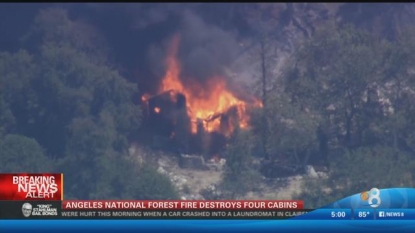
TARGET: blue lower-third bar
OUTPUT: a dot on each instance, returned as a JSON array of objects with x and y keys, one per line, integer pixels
[
  {"x": 395, "y": 214},
  {"x": 326, "y": 214},
  {"x": 201, "y": 226}
]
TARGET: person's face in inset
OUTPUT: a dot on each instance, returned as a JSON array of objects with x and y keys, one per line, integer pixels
[{"x": 27, "y": 210}]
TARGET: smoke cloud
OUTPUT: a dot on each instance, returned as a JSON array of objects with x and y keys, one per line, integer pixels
[
  {"x": 138, "y": 35},
  {"x": 204, "y": 51}
]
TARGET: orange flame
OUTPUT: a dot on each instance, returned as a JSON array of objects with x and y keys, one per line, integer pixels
[
  {"x": 157, "y": 109},
  {"x": 145, "y": 97},
  {"x": 204, "y": 102}
]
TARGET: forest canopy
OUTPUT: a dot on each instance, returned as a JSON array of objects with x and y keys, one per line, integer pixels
[{"x": 69, "y": 102}]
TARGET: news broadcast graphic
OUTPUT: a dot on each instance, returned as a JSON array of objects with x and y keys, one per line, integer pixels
[
  {"x": 201, "y": 205},
  {"x": 391, "y": 198},
  {"x": 395, "y": 214},
  {"x": 364, "y": 214},
  {"x": 205, "y": 225},
  {"x": 374, "y": 208},
  {"x": 151, "y": 209},
  {"x": 361, "y": 206},
  {"x": 182, "y": 214},
  {"x": 31, "y": 187},
  {"x": 372, "y": 197},
  {"x": 182, "y": 209},
  {"x": 27, "y": 210}
]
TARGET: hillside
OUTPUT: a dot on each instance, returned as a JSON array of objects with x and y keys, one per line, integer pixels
[{"x": 209, "y": 101}]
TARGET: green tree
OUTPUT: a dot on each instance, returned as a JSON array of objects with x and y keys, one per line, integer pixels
[
  {"x": 397, "y": 92},
  {"x": 67, "y": 96},
  {"x": 239, "y": 176},
  {"x": 22, "y": 154},
  {"x": 335, "y": 73},
  {"x": 54, "y": 27},
  {"x": 385, "y": 20},
  {"x": 361, "y": 89},
  {"x": 151, "y": 185},
  {"x": 292, "y": 130},
  {"x": 117, "y": 177},
  {"x": 17, "y": 97},
  {"x": 91, "y": 148},
  {"x": 65, "y": 78},
  {"x": 357, "y": 171},
  {"x": 6, "y": 117}
]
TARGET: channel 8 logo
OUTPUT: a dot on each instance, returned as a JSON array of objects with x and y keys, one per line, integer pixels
[{"x": 372, "y": 197}]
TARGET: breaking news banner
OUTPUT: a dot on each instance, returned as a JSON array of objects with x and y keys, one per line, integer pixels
[
  {"x": 149, "y": 210},
  {"x": 40, "y": 196},
  {"x": 201, "y": 205},
  {"x": 38, "y": 187},
  {"x": 182, "y": 209}
]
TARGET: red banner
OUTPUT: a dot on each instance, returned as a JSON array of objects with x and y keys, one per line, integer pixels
[
  {"x": 31, "y": 186},
  {"x": 202, "y": 205}
]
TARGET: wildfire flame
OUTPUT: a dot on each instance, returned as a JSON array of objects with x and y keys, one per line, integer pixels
[
  {"x": 205, "y": 102},
  {"x": 145, "y": 97}
]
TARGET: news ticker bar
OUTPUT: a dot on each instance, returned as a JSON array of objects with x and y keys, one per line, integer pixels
[
  {"x": 180, "y": 204},
  {"x": 55, "y": 210}
]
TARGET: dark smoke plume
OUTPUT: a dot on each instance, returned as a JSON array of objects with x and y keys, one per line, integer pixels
[
  {"x": 143, "y": 33},
  {"x": 205, "y": 50},
  {"x": 138, "y": 35}
]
